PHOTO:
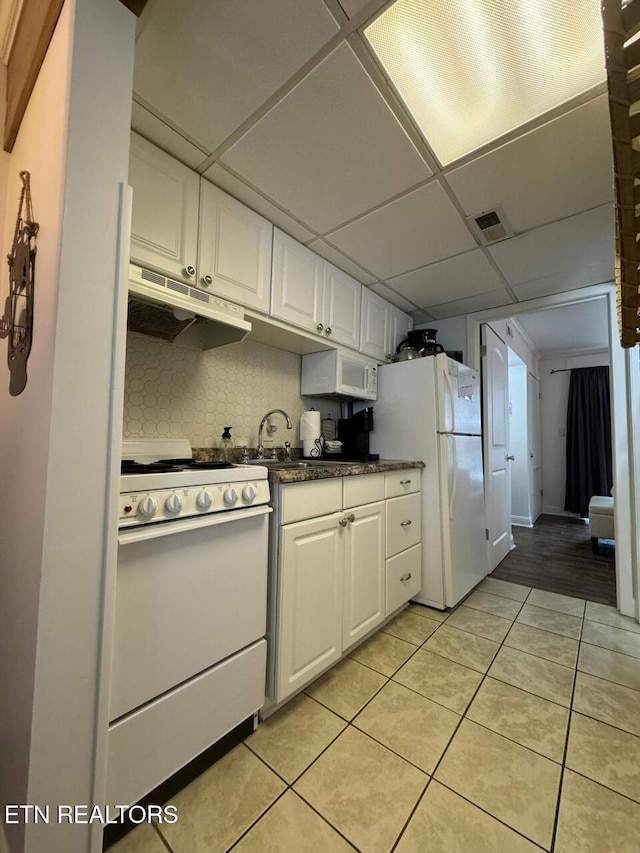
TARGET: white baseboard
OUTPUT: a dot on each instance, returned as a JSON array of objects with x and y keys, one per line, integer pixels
[
  {"x": 521, "y": 521},
  {"x": 557, "y": 510}
]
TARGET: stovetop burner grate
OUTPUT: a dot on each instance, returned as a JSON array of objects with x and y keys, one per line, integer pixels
[{"x": 130, "y": 466}]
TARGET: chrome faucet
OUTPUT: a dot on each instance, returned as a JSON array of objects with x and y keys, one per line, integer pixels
[{"x": 263, "y": 422}]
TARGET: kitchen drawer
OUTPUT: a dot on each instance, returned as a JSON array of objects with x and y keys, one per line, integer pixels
[
  {"x": 362, "y": 489},
  {"x": 405, "y": 482},
  {"x": 149, "y": 745},
  {"x": 404, "y": 572},
  {"x": 403, "y": 523},
  {"x": 309, "y": 500}
]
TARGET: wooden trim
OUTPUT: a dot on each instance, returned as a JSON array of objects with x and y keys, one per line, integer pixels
[
  {"x": 33, "y": 33},
  {"x": 623, "y": 74}
]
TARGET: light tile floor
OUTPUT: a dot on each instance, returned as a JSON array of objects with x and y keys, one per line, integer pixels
[{"x": 509, "y": 725}]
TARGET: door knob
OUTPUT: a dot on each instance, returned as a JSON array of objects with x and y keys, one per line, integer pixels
[
  {"x": 351, "y": 517},
  {"x": 189, "y": 271},
  {"x": 206, "y": 279},
  {"x": 510, "y": 458},
  {"x": 327, "y": 331},
  {"x": 319, "y": 327},
  {"x": 343, "y": 522}
]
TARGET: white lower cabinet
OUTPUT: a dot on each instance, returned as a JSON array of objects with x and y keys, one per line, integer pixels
[
  {"x": 337, "y": 579},
  {"x": 311, "y": 591},
  {"x": 364, "y": 572}
]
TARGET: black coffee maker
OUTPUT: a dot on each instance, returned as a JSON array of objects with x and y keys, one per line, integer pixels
[
  {"x": 354, "y": 433},
  {"x": 424, "y": 340}
]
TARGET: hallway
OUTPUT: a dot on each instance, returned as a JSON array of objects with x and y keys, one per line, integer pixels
[{"x": 555, "y": 555}]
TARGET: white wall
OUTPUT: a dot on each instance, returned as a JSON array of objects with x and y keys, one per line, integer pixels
[
  {"x": 555, "y": 394},
  {"x": 54, "y": 438},
  {"x": 518, "y": 444}
]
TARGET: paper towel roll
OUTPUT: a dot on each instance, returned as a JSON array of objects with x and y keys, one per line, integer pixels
[{"x": 310, "y": 426}]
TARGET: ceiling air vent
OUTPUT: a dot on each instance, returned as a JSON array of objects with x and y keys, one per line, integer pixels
[{"x": 491, "y": 225}]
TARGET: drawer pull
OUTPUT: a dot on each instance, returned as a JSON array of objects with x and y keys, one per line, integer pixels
[
  {"x": 404, "y": 482},
  {"x": 406, "y": 577},
  {"x": 405, "y": 523},
  {"x": 351, "y": 517}
]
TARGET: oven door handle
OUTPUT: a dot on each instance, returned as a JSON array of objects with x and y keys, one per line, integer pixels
[{"x": 168, "y": 528}]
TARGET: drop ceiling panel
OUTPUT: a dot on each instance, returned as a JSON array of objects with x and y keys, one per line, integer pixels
[
  {"x": 393, "y": 297},
  {"x": 335, "y": 257},
  {"x": 208, "y": 66},
  {"x": 580, "y": 326},
  {"x": 331, "y": 149},
  {"x": 453, "y": 278},
  {"x": 561, "y": 168},
  {"x": 574, "y": 252},
  {"x": 253, "y": 199},
  {"x": 420, "y": 228},
  {"x": 165, "y": 137},
  {"x": 352, "y": 7},
  {"x": 479, "y": 302}
]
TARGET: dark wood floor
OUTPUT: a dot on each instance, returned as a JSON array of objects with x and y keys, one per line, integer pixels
[{"x": 555, "y": 555}]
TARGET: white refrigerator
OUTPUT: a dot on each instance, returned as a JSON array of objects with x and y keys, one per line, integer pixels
[{"x": 429, "y": 409}]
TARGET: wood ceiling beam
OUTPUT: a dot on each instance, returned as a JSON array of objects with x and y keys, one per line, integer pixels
[
  {"x": 34, "y": 30},
  {"x": 33, "y": 33}
]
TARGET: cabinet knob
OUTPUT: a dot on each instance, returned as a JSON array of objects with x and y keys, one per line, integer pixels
[
  {"x": 319, "y": 327},
  {"x": 327, "y": 331},
  {"x": 189, "y": 271},
  {"x": 405, "y": 523},
  {"x": 388, "y": 356},
  {"x": 343, "y": 522},
  {"x": 406, "y": 577},
  {"x": 351, "y": 517},
  {"x": 206, "y": 279}
]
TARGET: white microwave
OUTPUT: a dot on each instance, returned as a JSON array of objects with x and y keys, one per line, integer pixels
[{"x": 340, "y": 374}]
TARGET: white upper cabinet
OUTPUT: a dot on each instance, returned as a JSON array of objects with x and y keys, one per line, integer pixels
[
  {"x": 374, "y": 328},
  {"x": 342, "y": 295},
  {"x": 164, "y": 225},
  {"x": 399, "y": 325},
  {"x": 313, "y": 294},
  {"x": 383, "y": 326},
  {"x": 297, "y": 283},
  {"x": 234, "y": 258}
]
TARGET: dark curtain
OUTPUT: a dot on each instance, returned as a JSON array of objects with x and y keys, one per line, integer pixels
[{"x": 589, "y": 464}]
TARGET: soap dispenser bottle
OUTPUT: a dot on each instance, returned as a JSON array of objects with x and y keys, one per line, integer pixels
[{"x": 226, "y": 444}]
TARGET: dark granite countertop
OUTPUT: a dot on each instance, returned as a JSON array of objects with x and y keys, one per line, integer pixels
[{"x": 317, "y": 471}]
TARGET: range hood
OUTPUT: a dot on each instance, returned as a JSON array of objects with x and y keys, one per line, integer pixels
[{"x": 160, "y": 307}]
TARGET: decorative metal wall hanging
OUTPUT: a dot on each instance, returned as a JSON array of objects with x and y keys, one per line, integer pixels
[{"x": 17, "y": 322}]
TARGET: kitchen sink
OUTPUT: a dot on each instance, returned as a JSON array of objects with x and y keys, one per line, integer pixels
[{"x": 276, "y": 463}]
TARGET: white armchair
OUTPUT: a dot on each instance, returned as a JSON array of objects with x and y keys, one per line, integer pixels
[{"x": 601, "y": 520}]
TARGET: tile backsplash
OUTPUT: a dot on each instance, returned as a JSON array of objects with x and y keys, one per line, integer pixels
[{"x": 181, "y": 393}]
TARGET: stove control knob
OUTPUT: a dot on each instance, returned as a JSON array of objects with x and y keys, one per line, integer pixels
[
  {"x": 230, "y": 496},
  {"x": 173, "y": 503},
  {"x": 147, "y": 507},
  {"x": 248, "y": 493},
  {"x": 204, "y": 501}
]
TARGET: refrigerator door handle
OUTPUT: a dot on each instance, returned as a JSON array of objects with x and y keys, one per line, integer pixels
[
  {"x": 452, "y": 426},
  {"x": 452, "y": 496}
]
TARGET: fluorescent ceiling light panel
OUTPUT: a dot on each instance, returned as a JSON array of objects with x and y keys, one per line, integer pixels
[{"x": 470, "y": 71}]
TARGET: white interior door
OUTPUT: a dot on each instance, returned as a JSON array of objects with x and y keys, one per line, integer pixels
[
  {"x": 535, "y": 445},
  {"x": 495, "y": 413}
]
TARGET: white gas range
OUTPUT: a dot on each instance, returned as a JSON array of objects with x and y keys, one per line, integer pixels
[
  {"x": 160, "y": 481},
  {"x": 189, "y": 648}
]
